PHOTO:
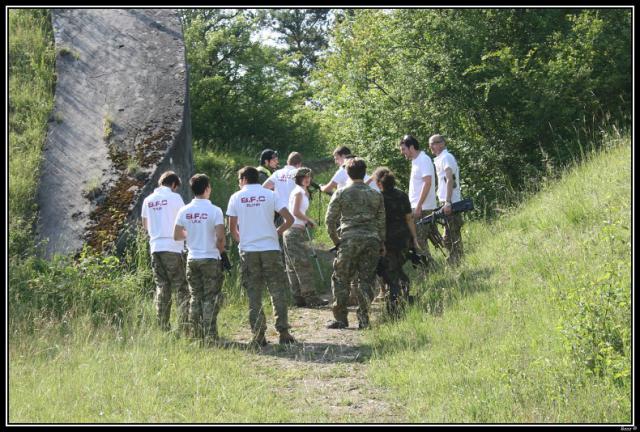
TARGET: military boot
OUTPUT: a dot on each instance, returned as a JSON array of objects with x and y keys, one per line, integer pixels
[
  {"x": 286, "y": 338},
  {"x": 315, "y": 301},
  {"x": 299, "y": 301},
  {"x": 259, "y": 340}
]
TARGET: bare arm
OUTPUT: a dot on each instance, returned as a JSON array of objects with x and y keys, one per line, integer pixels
[
  {"x": 297, "y": 203},
  {"x": 329, "y": 187},
  {"x": 288, "y": 220},
  {"x": 426, "y": 186},
  {"x": 145, "y": 223},
  {"x": 220, "y": 238},
  {"x": 233, "y": 228},
  {"x": 268, "y": 184},
  {"x": 179, "y": 233},
  {"x": 412, "y": 229},
  {"x": 449, "y": 175}
]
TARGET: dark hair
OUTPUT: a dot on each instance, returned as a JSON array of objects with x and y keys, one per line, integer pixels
[
  {"x": 199, "y": 183},
  {"x": 410, "y": 141},
  {"x": 267, "y": 155},
  {"x": 303, "y": 172},
  {"x": 249, "y": 173},
  {"x": 385, "y": 177},
  {"x": 341, "y": 151},
  {"x": 356, "y": 168},
  {"x": 169, "y": 178}
]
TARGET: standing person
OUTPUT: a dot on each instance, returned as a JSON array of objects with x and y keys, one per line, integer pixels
[
  {"x": 359, "y": 212},
  {"x": 422, "y": 193},
  {"x": 268, "y": 164},
  {"x": 400, "y": 235},
  {"x": 340, "y": 179},
  {"x": 159, "y": 212},
  {"x": 282, "y": 183},
  {"x": 250, "y": 212},
  {"x": 296, "y": 243},
  {"x": 448, "y": 193},
  {"x": 202, "y": 224}
]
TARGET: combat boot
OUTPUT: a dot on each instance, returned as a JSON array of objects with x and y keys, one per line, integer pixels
[
  {"x": 337, "y": 325},
  {"x": 259, "y": 341},
  {"x": 315, "y": 301},
  {"x": 299, "y": 301},
  {"x": 286, "y": 338}
]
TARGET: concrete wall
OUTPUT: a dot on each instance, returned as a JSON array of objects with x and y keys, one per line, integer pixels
[{"x": 121, "y": 118}]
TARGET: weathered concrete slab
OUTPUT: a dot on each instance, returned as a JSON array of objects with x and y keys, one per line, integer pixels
[{"x": 121, "y": 118}]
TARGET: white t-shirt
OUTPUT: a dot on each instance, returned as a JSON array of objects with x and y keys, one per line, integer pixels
[
  {"x": 443, "y": 161},
  {"x": 422, "y": 166},
  {"x": 160, "y": 209},
  {"x": 341, "y": 178},
  {"x": 304, "y": 204},
  {"x": 283, "y": 183},
  {"x": 254, "y": 205},
  {"x": 200, "y": 218}
]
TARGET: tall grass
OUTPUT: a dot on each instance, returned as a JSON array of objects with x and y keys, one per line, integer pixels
[
  {"x": 535, "y": 326},
  {"x": 31, "y": 86}
]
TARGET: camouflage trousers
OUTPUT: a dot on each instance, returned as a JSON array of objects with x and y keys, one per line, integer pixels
[
  {"x": 423, "y": 231},
  {"x": 299, "y": 267},
  {"x": 452, "y": 237},
  {"x": 205, "y": 284},
  {"x": 356, "y": 260},
  {"x": 169, "y": 275},
  {"x": 258, "y": 268}
]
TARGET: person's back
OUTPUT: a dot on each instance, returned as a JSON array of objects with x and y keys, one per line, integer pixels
[
  {"x": 254, "y": 206},
  {"x": 160, "y": 210},
  {"x": 283, "y": 184},
  {"x": 359, "y": 206},
  {"x": 396, "y": 206},
  {"x": 200, "y": 218}
]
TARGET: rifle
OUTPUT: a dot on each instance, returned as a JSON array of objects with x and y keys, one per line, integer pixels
[
  {"x": 225, "y": 262},
  {"x": 438, "y": 214}
]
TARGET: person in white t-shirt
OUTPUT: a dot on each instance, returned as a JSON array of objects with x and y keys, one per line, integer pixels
[
  {"x": 202, "y": 224},
  {"x": 250, "y": 212},
  {"x": 159, "y": 211},
  {"x": 282, "y": 183},
  {"x": 340, "y": 179},
  {"x": 448, "y": 193},
  {"x": 296, "y": 243},
  {"x": 422, "y": 192}
]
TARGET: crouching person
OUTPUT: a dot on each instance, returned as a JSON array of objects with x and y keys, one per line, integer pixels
[
  {"x": 250, "y": 212},
  {"x": 202, "y": 224}
]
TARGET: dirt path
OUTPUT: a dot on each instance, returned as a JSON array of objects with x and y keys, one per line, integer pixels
[{"x": 330, "y": 368}]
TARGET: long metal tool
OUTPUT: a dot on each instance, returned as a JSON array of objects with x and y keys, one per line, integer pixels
[{"x": 314, "y": 254}]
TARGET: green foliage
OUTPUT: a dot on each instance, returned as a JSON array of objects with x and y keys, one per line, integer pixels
[
  {"x": 509, "y": 88},
  {"x": 535, "y": 325},
  {"x": 31, "y": 83},
  {"x": 240, "y": 90}
]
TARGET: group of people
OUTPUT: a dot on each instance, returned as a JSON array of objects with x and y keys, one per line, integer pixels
[{"x": 370, "y": 221}]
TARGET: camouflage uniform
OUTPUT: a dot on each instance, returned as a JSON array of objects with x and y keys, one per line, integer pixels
[
  {"x": 168, "y": 273},
  {"x": 205, "y": 281},
  {"x": 360, "y": 213},
  {"x": 452, "y": 237},
  {"x": 423, "y": 231},
  {"x": 398, "y": 237},
  {"x": 258, "y": 268},
  {"x": 299, "y": 268}
]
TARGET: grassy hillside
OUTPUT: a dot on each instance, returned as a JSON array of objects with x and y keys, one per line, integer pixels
[{"x": 535, "y": 326}]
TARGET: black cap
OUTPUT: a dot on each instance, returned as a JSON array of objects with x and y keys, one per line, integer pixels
[{"x": 267, "y": 155}]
